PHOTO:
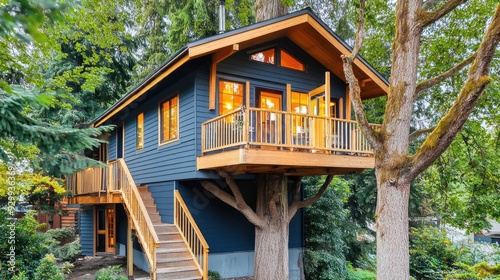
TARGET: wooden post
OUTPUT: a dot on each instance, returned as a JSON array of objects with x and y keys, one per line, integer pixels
[
  {"x": 130, "y": 252},
  {"x": 288, "y": 118}
]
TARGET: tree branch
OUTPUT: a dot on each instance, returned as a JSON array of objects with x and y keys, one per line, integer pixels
[
  {"x": 292, "y": 209},
  {"x": 423, "y": 85},
  {"x": 237, "y": 201},
  {"x": 446, "y": 130},
  {"x": 431, "y": 17},
  {"x": 354, "y": 89},
  {"x": 417, "y": 133},
  {"x": 309, "y": 201}
]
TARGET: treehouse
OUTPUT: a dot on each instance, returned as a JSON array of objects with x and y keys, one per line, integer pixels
[{"x": 267, "y": 98}]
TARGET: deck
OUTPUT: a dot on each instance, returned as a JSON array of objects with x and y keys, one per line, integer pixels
[{"x": 255, "y": 140}]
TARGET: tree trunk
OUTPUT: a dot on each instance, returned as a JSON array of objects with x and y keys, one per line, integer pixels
[
  {"x": 392, "y": 230},
  {"x": 268, "y": 9},
  {"x": 271, "y": 240}
]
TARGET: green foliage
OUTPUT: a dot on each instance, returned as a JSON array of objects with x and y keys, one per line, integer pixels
[
  {"x": 110, "y": 273},
  {"x": 68, "y": 251},
  {"x": 325, "y": 227},
  {"x": 30, "y": 246},
  {"x": 48, "y": 269},
  {"x": 432, "y": 254},
  {"x": 214, "y": 275},
  {"x": 360, "y": 274},
  {"x": 479, "y": 271}
]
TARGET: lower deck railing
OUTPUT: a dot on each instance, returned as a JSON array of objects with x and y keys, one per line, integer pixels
[
  {"x": 263, "y": 127},
  {"x": 191, "y": 234},
  {"x": 116, "y": 179}
]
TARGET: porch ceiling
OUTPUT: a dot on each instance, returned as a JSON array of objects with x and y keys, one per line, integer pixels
[{"x": 255, "y": 160}]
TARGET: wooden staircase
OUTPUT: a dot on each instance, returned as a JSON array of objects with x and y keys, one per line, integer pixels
[{"x": 173, "y": 259}]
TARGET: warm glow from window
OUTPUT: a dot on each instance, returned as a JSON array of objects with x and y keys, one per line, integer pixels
[
  {"x": 266, "y": 56},
  {"x": 169, "y": 120},
  {"x": 300, "y": 104},
  {"x": 230, "y": 96},
  {"x": 288, "y": 61},
  {"x": 140, "y": 131}
]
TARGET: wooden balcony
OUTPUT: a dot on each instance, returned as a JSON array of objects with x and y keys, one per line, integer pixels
[{"x": 255, "y": 140}]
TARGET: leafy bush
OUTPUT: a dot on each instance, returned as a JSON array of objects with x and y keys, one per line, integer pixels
[
  {"x": 110, "y": 273},
  {"x": 360, "y": 274},
  {"x": 325, "y": 228},
  {"x": 67, "y": 252},
  {"x": 62, "y": 235},
  {"x": 432, "y": 254},
  {"x": 213, "y": 275},
  {"x": 48, "y": 269},
  {"x": 30, "y": 246}
]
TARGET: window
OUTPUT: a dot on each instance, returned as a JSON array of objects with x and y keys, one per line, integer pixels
[
  {"x": 300, "y": 104},
  {"x": 288, "y": 61},
  {"x": 140, "y": 132},
  {"x": 266, "y": 56},
  {"x": 169, "y": 123},
  {"x": 230, "y": 96}
]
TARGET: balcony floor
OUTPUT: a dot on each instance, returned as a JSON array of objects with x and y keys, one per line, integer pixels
[
  {"x": 95, "y": 198},
  {"x": 297, "y": 162}
]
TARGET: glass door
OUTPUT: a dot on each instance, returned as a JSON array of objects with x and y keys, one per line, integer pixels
[
  {"x": 105, "y": 228},
  {"x": 269, "y": 120}
]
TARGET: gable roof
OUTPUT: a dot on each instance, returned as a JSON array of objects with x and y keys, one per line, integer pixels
[{"x": 303, "y": 27}]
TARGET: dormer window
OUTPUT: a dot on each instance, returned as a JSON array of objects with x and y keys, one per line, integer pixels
[
  {"x": 285, "y": 59},
  {"x": 266, "y": 56},
  {"x": 289, "y": 61}
]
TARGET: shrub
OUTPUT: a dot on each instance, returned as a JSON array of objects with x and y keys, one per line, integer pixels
[
  {"x": 360, "y": 274},
  {"x": 30, "y": 246},
  {"x": 432, "y": 254},
  {"x": 62, "y": 235},
  {"x": 213, "y": 275},
  {"x": 48, "y": 269},
  {"x": 67, "y": 252},
  {"x": 110, "y": 273}
]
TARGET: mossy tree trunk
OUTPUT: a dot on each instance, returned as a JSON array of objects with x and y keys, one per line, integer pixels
[
  {"x": 395, "y": 166},
  {"x": 271, "y": 217}
]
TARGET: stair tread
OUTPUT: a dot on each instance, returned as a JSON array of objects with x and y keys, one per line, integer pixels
[
  {"x": 170, "y": 241},
  {"x": 176, "y": 269},
  {"x": 178, "y": 259},
  {"x": 171, "y": 250},
  {"x": 187, "y": 278}
]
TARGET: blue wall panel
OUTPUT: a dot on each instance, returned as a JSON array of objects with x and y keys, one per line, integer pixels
[
  {"x": 87, "y": 230},
  {"x": 112, "y": 145},
  {"x": 163, "y": 194},
  {"x": 171, "y": 161},
  {"x": 224, "y": 228}
]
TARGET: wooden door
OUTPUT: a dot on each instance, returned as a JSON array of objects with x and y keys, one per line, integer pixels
[
  {"x": 105, "y": 228},
  {"x": 269, "y": 127}
]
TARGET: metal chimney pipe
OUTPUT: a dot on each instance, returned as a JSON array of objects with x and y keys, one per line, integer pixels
[{"x": 222, "y": 16}]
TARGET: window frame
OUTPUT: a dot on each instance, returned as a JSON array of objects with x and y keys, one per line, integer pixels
[
  {"x": 137, "y": 146},
  {"x": 230, "y": 80},
  {"x": 277, "y": 57},
  {"x": 162, "y": 142}
]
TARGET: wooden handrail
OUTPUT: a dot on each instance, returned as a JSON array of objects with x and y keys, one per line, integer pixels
[
  {"x": 289, "y": 130},
  {"x": 191, "y": 234},
  {"x": 121, "y": 181}
]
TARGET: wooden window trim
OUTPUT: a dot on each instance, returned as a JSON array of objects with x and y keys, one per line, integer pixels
[
  {"x": 141, "y": 146},
  {"x": 160, "y": 120}
]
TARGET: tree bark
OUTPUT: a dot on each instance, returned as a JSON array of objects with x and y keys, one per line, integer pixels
[
  {"x": 271, "y": 240},
  {"x": 392, "y": 230},
  {"x": 268, "y": 9}
]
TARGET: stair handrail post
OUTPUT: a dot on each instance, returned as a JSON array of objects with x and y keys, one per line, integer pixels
[
  {"x": 142, "y": 232},
  {"x": 180, "y": 205}
]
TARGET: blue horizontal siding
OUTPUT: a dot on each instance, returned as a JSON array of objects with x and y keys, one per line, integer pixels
[
  {"x": 163, "y": 194},
  {"x": 112, "y": 145},
  {"x": 167, "y": 162},
  {"x": 224, "y": 228},
  {"x": 87, "y": 231}
]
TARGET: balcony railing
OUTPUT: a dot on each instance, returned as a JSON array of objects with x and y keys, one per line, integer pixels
[
  {"x": 263, "y": 127},
  {"x": 116, "y": 179}
]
